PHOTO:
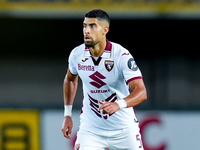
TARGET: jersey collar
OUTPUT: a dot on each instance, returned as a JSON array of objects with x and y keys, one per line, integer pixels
[{"x": 106, "y": 53}]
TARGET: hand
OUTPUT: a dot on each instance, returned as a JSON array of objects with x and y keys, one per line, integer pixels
[
  {"x": 109, "y": 107},
  {"x": 67, "y": 127}
]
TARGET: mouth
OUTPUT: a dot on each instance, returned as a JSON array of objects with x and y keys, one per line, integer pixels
[{"x": 87, "y": 38}]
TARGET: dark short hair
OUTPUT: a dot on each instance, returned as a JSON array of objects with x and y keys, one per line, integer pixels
[{"x": 99, "y": 14}]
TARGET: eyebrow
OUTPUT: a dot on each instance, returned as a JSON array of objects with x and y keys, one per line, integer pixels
[{"x": 90, "y": 24}]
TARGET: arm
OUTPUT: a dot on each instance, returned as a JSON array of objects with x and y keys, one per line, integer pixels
[
  {"x": 69, "y": 89},
  {"x": 138, "y": 95}
]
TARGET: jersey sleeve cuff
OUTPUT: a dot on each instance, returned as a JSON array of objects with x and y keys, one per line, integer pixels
[
  {"x": 131, "y": 79},
  {"x": 72, "y": 73}
]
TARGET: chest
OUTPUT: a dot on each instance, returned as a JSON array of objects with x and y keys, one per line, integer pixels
[{"x": 98, "y": 73}]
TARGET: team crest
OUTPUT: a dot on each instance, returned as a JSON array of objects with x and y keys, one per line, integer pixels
[{"x": 109, "y": 64}]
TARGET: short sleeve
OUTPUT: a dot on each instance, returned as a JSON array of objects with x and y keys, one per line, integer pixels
[
  {"x": 129, "y": 67},
  {"x": 71, "y": 64}
]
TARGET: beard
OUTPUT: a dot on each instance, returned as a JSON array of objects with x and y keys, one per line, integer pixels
[{"x": 91, "y": 44}]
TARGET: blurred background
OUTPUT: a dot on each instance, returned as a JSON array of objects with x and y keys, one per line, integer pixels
[{"x": 36, "y": 38}]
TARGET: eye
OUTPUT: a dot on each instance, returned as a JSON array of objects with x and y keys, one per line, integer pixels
[{"x": 93, "y": 26}]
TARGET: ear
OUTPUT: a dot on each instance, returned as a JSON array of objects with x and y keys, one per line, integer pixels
[{"x": 106, "y": 29}]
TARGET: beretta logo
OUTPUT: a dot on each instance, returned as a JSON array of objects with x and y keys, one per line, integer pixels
[{"x": 109, "y": 64}]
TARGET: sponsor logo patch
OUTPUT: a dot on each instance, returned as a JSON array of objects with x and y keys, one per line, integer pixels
[
  {"x": 85, "y": 67},
  {"x": 125, "y": 54},
  {"x": 132, "y": 65},
  {"x": 84, "y": 60},
  {"x": 97, "y": 79}
]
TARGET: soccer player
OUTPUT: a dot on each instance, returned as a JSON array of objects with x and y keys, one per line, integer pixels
[{"x": 107, "y": 70}]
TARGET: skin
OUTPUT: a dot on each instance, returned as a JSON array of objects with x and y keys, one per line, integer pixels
[{"x": 94, "y": 32}]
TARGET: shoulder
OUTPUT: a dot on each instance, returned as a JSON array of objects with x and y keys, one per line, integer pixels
[
  {"x": 78, "y": 50},
  {"x": 119, "y": 51}
]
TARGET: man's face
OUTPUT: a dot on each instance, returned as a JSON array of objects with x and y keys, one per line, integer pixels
[{"x": 93, "y": 31}]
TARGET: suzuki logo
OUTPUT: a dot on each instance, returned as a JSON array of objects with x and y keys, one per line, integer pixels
[{"x": 97, "y": 79}]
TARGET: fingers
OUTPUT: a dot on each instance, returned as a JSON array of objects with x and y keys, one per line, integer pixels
[
  {"x": 104, "y": 104},
  {"x": 101, "y": 107},
  {"x": 64, "y": 131},
  {"x": 67, "y": 132},
  {"x": 67, "y": 128},
  {"x": 101, "y": 102},
  {"x": 108, "y": 107}
]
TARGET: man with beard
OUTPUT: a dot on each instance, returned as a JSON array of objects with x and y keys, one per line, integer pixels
[{"x": 107, "y": 119}]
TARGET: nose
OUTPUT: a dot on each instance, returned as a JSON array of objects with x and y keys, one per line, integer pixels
[{"x": 86, "y": 30}]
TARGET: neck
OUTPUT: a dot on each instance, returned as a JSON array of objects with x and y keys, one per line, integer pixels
[{"x": 98, "y": 49}]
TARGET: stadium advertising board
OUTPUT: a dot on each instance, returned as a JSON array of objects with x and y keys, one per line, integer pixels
[
  {"x": 161, "y": 130},
  {"x": 117, "y": 8},
  {"x": 19, "y": 130}
]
